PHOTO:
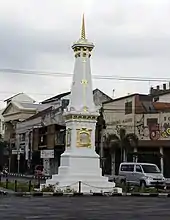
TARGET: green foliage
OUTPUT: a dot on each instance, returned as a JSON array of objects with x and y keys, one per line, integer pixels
[
  {"x": 21, "y": 186},
  {"x": 124, "y": 140},
  {"x": 138, "y": 189},
  {"x": 69, "y": 190},
  {"x": 49, "y": 188}
]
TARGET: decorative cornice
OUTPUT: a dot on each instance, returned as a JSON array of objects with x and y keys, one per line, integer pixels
[{"x": 80, "y": 117}]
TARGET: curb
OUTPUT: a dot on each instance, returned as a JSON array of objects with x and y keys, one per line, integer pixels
[{"x": 51, "y": 194}]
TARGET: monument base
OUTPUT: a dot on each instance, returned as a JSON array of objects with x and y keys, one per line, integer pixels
[{"x": 80, "y": 173}]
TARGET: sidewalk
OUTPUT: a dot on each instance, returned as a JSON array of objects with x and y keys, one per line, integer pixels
[{"x": 6, "y": 191}]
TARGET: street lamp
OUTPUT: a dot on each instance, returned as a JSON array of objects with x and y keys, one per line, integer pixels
[
  {"x": 18, "y": 158},
  {"x": 102, "y": 127}
]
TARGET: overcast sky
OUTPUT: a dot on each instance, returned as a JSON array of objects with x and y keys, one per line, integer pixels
[{"x": 131, "y": 37}]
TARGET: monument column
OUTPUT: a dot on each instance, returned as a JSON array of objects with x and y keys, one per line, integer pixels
[{"x": 80, "y": 162}]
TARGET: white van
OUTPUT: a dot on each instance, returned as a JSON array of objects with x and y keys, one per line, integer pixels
[{"x": 141, "y": 174}]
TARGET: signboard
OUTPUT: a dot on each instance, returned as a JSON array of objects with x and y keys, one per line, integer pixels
[
  {"x": 14, "y": 151},
  {"x": 17, "y": 152},
  {"x": 47, "y": 153}
]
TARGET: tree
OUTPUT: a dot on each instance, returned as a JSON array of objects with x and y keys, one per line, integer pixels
[
  {"x": 113, "y": 142},
  {"x": 126, "y": 142},
  {"x": 0, "y": 137},
  {"x": 3, "y": 147},
  {"x": 100, "y": 125}
]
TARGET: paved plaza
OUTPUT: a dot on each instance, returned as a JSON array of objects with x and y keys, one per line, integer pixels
[{"x": 92, "y": 208}]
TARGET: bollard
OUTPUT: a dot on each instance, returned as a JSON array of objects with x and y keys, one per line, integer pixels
[
  {"x": 157, "y": 187},
  {"x": 38, "y": 181},
  {"x": 7, "y": 183},
  {"x": 29, "y": 186},
  {"x": 79, "y": 186},
  {"x": 128, "y": 187},
  {"x": 15, "y": 186}
]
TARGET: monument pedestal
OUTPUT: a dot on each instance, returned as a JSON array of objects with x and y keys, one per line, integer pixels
[{"x": 81, "y": 171}]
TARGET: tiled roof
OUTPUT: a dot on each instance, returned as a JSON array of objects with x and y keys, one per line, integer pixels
[
  {"x": 38, "y": 107},
  {"x": 161, "y": 106},
  {"x": 27, "y": 106},
  {"x": 57, "y": 97},
  {"x": 40, "y": 113},
  {"x": 28, "y": 98},
  {"x": 125, "y": 97},
  {"x": 8, "y": 99}
]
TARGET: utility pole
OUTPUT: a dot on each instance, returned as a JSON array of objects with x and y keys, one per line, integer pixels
[
  {"x": 18, "y": 158},
  {"x": 9, "y": 159},
  {"x": 101, "y": 149},
  {"x": 102, "y": 133}
]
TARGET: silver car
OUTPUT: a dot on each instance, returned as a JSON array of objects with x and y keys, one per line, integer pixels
[{"x": 141, "y": 174}]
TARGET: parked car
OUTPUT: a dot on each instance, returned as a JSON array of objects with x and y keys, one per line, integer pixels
[
  {"x": 38, "y": 170},
  {"x": 141, "y": 174}
]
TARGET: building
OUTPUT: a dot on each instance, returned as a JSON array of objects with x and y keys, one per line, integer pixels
[
  {"x": 18, "y": 108},
  {"x": 161, "y": 93},
  {"x": 148, "y": 120},
  {"x": 45, "y": 131},
  {"x": 2, "y": 127},
  {"x": 2, "y": 144}
]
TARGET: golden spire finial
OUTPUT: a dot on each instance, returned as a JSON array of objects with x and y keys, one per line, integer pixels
[{"x": 83, "y": 34}]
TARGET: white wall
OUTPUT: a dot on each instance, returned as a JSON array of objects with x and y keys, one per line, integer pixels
[
  {"x": 164, "y": 98},
  {"x": 159, "y": 132},
  {"x": 114, "y": 115}
]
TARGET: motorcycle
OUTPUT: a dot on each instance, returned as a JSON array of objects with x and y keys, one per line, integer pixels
[{"x": 5, "y": 172}]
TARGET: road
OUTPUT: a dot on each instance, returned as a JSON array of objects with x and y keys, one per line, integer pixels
[{"x": 90, "y": 208}]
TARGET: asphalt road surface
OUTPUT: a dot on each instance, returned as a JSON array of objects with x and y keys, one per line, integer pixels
[{"x": 91, "y": 208}]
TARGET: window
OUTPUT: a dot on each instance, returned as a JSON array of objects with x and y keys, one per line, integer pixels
[
  {"x": 42, "y": 136},
  {"x": 12, "y": 146},
  {"x": 22, "y": 137},
  {"x": 138, "y": 169},
  {"x": 60, "y": 137},
  {"x": 3, "y": 126},
  {"x": 42, "y": 140},
  {"x": 150, "y": 169},
  {"x": 127, "y": 167},
  {"x": 155, "y": 99},
  {"x": 128, "y": 108},
  {"x": 153, "y": 123}
]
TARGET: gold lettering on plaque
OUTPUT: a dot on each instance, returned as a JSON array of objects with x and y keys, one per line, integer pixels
[{"x": 84, "y": 137}]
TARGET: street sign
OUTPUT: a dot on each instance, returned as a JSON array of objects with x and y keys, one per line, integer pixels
[
  {"x": 17, "y": 152},
  {"x": 14, "y": 151}
]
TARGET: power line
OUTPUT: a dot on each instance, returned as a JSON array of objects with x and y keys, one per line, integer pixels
[{"x": 99, "y": 77}]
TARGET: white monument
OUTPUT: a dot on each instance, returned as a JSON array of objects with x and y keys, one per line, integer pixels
[{"x": 80, "y": 162}]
